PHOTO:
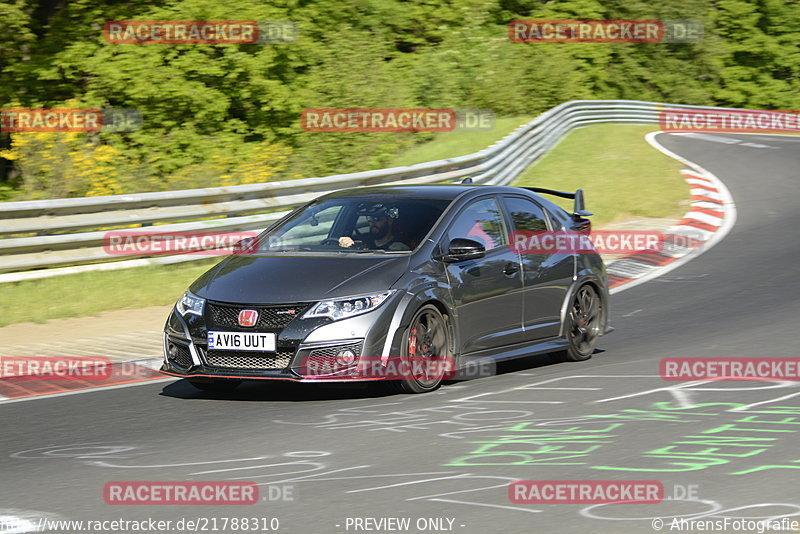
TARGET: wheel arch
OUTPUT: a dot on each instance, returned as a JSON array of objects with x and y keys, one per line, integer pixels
[
  {"x": 588, "y": 278},
  {"x": 433, "y": 295}
]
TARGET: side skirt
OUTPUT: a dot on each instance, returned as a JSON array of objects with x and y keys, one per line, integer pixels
[{"x": 512, "y": 352}]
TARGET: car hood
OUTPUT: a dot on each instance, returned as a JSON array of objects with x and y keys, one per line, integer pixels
[{"x": 281, "y": 278}]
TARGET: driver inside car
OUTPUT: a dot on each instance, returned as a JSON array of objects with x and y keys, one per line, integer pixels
[{"x": 381, "y": 235}]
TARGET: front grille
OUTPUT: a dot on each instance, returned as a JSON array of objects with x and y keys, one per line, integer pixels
[
  {"x": 227, "y": 315},
  {"x": 182, "y": 357},
  {"x": 243, "y": 359}
]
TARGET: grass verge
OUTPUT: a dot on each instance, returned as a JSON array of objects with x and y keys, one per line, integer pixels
[
  {"x": 458, "y": 142},
  {"x": 84, "y": 294},
  {"x": 622, "y": 176}
]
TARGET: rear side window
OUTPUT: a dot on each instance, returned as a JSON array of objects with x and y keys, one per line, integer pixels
[
  {"x": 480, "y": 221},
  {"x": 525, "y": 214}
]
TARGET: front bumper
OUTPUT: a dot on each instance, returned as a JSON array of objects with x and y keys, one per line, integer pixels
[
  {"x": 285, "y": 365},
  {"x": 186, "y": 353}
]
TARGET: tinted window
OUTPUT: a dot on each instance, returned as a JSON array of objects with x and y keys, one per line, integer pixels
[
  {"x": 368, "y": 224},
  {"x": 311, "y": 229},
  {"x": 526, "y": 215},
  {"x": 482, "y": 222}
]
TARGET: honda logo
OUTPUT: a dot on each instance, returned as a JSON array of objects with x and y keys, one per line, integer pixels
[{"x": 248, "y": 317}]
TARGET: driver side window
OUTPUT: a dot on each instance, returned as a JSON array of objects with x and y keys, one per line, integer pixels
[{"x": 481, "y": 221}]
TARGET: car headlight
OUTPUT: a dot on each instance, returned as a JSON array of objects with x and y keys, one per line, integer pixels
[
  {"x": 349, "y": 307},
  {"x": 188, "y": 303}
]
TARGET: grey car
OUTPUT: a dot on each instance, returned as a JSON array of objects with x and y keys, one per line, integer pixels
[{"x": 411, "y": 285}]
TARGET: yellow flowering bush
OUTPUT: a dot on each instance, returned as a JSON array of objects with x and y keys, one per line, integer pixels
[
  {"x": 249, "y": 163},
  {"x": 59, "y": 165}
]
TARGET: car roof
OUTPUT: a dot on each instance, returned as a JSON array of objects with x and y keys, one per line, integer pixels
[
  {"x": 433, "y": 191},
  {"x": 447, "y": 192}
]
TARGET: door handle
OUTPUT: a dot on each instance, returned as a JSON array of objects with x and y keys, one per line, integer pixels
[{"x": 510, "y": 269}]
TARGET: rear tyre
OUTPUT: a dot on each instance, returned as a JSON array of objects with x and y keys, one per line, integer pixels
[
  {"x": 214, "y": 385},
  {"x": 425, "y": 352},
  {"x": 583, "y": 325}
]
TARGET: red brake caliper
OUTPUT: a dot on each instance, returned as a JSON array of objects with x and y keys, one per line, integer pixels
[{"x": 412, "y": 342}]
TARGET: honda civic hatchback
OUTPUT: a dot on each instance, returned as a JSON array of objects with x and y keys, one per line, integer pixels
[{"x": 405, "y": 284}]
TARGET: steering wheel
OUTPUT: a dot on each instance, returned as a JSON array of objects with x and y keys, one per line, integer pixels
[{"x": 357, "y": 244}]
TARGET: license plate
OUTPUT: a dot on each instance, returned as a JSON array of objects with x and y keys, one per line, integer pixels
[{"x": 241, "y": 341}]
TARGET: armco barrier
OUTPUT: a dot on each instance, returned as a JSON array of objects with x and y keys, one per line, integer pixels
[{"x": 68, "y": 230}]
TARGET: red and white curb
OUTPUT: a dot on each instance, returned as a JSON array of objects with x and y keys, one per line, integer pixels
[
  {"x": 710, "y": 218},
  {"x": 122, "y": 374}
]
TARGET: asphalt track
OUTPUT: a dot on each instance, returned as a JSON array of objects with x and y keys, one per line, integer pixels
[{"x": 727, "y": 449}]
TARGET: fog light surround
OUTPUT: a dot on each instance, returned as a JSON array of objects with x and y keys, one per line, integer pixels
[{"x": 345, "y": 357}]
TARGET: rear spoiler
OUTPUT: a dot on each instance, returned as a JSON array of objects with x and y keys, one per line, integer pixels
[{"x": 579, "y": 209}]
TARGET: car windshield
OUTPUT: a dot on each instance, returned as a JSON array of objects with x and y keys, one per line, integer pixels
[{"x": 373, "y": 224}]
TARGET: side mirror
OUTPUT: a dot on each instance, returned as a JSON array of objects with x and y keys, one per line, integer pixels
[{"x": 461, "y": 249}]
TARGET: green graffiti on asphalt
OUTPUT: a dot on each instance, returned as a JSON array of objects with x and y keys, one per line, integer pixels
[
  {"x": 545, "y": 443},
  {"x": 551, "y": 446}
]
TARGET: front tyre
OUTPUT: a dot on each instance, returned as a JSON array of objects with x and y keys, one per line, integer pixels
[
  {"x": 583, "y": 325},
  {"x": 425, "y": 355}
]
